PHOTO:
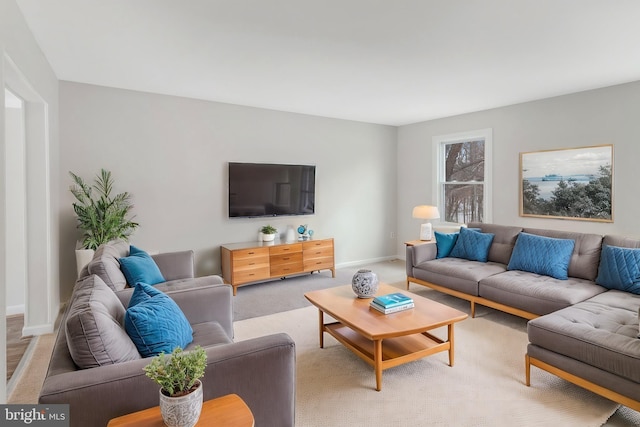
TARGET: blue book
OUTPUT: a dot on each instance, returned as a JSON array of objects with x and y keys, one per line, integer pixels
[
  {"x": 392, "y": 300},
  {"x": 393, "y": 309}
]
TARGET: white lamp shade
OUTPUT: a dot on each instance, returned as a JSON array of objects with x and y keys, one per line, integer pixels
[{"x": 426, "y": 212}]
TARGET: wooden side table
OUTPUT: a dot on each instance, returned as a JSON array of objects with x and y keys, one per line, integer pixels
[
  {"x": 225, "y": 411},
  {"x": 419, "y": 242}
]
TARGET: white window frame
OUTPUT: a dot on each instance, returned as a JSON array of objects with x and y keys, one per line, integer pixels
[{"x": 439, "y": 143}]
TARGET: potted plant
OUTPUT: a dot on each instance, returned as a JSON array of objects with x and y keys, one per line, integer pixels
[
  {"x": 178, "y": 375},
  {"x": 268, "y": 233},
  {"x": 101, "y": 216}
]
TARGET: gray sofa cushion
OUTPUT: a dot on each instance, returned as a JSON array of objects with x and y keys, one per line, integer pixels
[
  {"x": 455, "y": 273},
  {"x": 208, "y": 334},
  {"x": 106, "y": 265},
  {"x": 600, "y": 332},
  {"x": 536, "y": 293},
  {"x": 586, "y": 253},
  {"x": 503, "y": 241},
  {"x": 94, "y": 326},
  {"x": 621, "y": 241}
]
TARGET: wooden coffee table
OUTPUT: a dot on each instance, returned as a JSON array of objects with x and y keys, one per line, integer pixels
[
  {"x": 385, "y": 340},
  {"x": 227, "y": 411}
]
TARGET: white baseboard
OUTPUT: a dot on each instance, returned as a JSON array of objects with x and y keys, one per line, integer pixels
[
  {"x": 37, "y": 330},
  {"x": 15, "y": 309},
  {"x": 366, "y": 261}
]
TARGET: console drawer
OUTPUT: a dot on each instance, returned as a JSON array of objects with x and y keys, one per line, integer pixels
[
  {"x": 318, "y": 263},
  {"x": 316, "y": 244},
  {"x": 249, "y": 263},
  {"x": 250, "y": 275},
  {"x": 281, "y": 265},
  {"x": 318, "y": 252},
  {"x": 250, "y": 253},
  {"x": 285, "y": 249}
]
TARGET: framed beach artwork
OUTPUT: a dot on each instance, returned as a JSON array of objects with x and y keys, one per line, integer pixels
[{"x": 571, "y": 183}]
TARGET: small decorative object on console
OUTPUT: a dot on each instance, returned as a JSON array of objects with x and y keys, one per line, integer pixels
[
  {"x": 365, "y": 283},
  {"x": 303, "y": 232},
  {"x": 268, "y": 233}
]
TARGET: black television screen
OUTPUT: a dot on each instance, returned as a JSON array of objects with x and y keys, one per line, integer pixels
[{"x": 261, "y": 189}]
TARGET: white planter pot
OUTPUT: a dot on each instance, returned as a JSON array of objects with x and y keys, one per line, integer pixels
[
  {"x": 83, "y": 257},
  {"x": 268, "y": 237},
  {"x": 183, "y": 411}
]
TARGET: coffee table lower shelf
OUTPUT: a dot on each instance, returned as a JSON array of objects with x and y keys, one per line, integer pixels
[{"x": 389, "y": 352}]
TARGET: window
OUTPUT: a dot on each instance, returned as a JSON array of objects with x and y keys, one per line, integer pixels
[{"x": 462, "y": 168}]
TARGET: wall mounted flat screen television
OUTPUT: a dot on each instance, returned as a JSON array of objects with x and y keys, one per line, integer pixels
[{"x": 261, "y": 189}]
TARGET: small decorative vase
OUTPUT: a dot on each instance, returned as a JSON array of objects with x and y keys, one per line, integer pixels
[
  {"x": 365, "y": 283},
  {"x": 183, "y": 411}
]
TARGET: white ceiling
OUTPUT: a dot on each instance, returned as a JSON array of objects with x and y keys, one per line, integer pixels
[{"x": 380, "y": 61}]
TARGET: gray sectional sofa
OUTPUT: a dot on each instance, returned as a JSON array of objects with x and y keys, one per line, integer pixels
[
  {"x": 577, "y": 329},
  {"x": 98, "y": 372}
]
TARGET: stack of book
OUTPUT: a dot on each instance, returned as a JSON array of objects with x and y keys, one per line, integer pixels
[{"x": 391, "y": 303}]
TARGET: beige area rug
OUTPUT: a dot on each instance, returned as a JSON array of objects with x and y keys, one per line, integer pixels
[
  {"x": 484, "y": 388},
  {"x": 28, "y": 385}
]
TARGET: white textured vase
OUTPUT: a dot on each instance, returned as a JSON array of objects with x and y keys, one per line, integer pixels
[
  {"x": 365, "y": 283},
  {"x": 183, "y": 411},
  {"x": 268, "y": 237}
]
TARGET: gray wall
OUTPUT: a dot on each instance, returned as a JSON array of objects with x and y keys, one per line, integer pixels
[
  {"x": 603, "y": 116},
  {"x": 171, "y": 153}
]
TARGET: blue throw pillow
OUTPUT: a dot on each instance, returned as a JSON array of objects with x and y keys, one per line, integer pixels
[
  {"x": 542, "y": 255},
  {"x": 142, "y": 293},
  {"x": 444, "y": 243},
  {"x": 140, "y": 267},
  {"x": 157, "y": 324},
  {"x": 619, "y": 269},
  {"x": 134, "y": 250},
  {"x": 472, "y": 245}
]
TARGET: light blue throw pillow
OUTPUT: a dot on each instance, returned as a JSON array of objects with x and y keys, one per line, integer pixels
[
  {"x": 156, "y": 324},
  {"x": 140, "y": 267},
  {"x": 472, "y": 245},
  {"x": 619, "y": 269},
  {"x": 547, "y": 256},
  {"x": 445, "y": 243}
]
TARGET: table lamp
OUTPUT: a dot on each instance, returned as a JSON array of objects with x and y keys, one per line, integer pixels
[{"x": 426, "y": 212}]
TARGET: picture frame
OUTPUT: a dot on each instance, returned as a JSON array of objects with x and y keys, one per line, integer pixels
[{"x": 568, "y": 183}]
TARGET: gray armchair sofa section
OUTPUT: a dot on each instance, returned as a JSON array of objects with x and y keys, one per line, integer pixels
[
  {"x": 261, "y": 370},
  {"x": 577, "y": 329}
]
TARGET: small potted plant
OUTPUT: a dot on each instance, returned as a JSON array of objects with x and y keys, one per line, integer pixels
[
  {"x": 268, "y": 233},
  {"x": 178, "y": 375}
]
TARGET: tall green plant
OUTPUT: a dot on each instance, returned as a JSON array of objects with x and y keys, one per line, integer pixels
[{"x": 104, "y": 217}]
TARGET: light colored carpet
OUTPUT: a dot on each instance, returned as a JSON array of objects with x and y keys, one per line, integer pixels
[
  {"x": 484, "y": 388},
  {"x": 31, "y": 377}
]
